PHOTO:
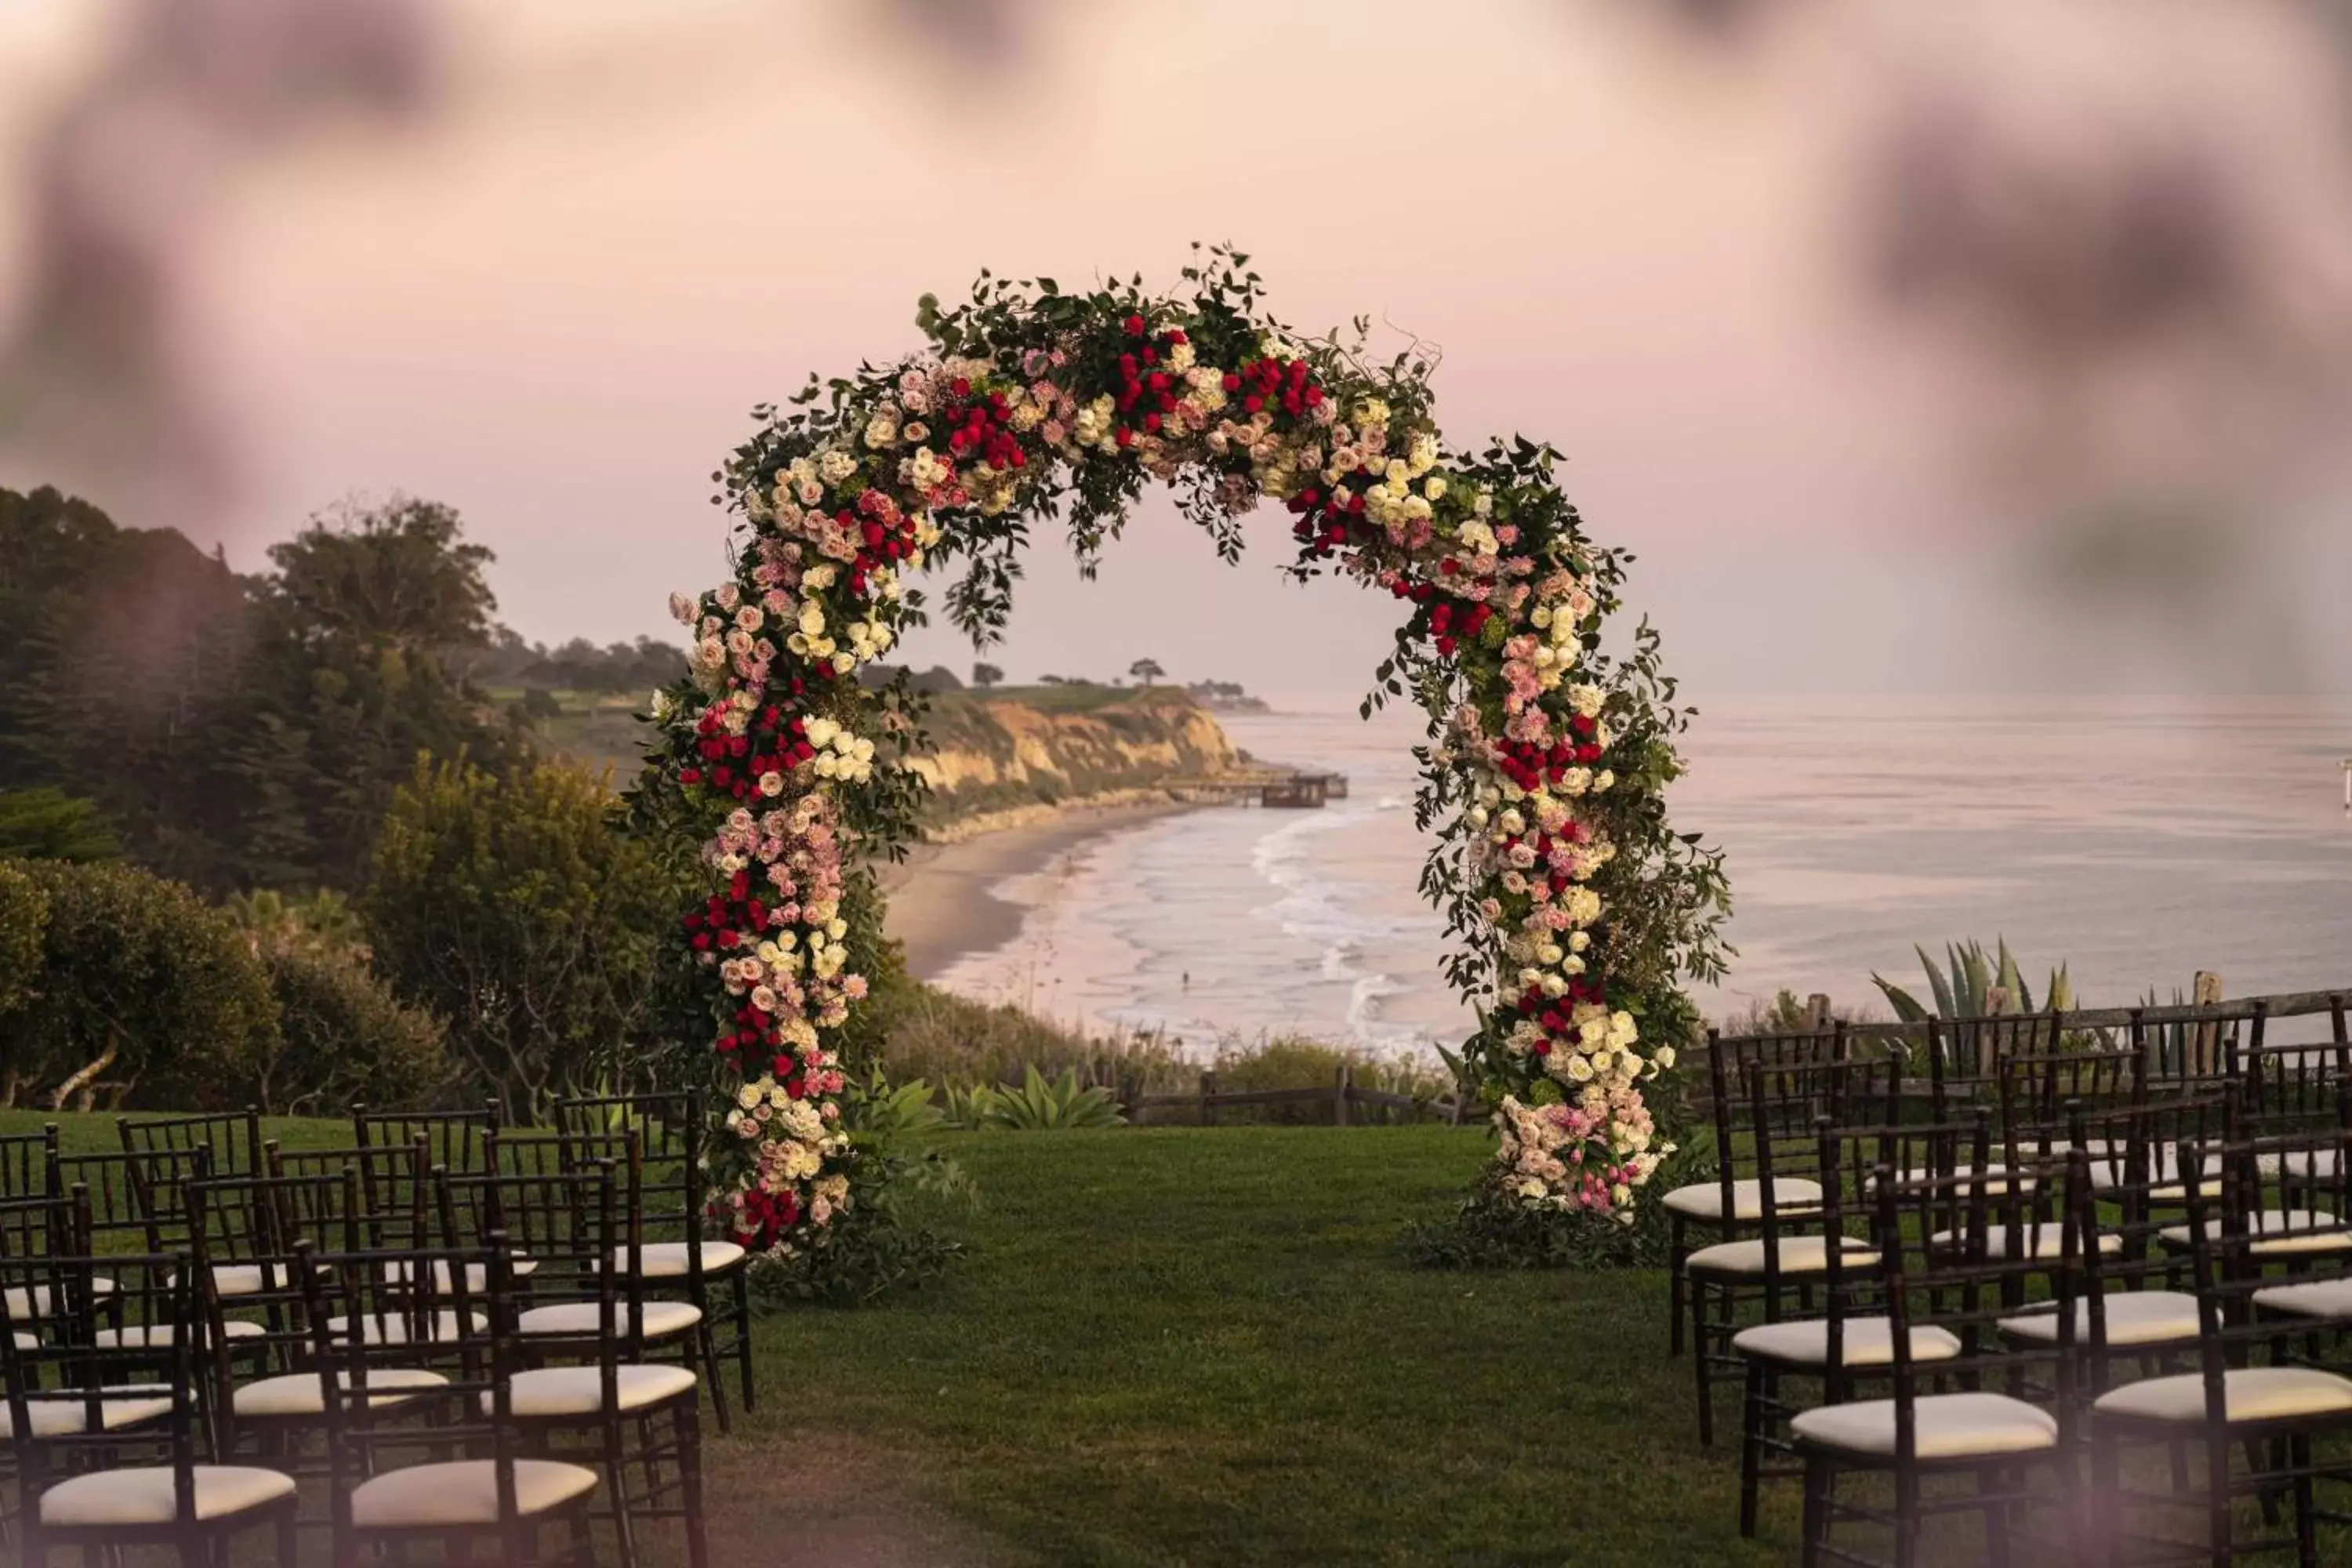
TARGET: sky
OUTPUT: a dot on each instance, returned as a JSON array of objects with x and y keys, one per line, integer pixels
[{"x": 547, "y": 288}]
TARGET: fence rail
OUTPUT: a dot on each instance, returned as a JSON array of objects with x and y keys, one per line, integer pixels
[{"x": 1344, "y": 1097}]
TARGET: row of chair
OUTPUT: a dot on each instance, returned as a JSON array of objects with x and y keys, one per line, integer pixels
[
  {"x": 448, "y": 1328},
  {"x": 2026, "y": 1215}
]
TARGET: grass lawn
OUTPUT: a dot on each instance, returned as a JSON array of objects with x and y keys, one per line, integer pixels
[{"x": 1196, "y": 1346}]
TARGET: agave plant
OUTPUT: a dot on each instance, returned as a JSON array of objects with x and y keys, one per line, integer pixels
[
  {"x": 1038, "y": 1104},
  {"x": 968, "y": 1108},
  {"x": 1965, "y": 992},
  {"x": 888, "y": 1111}
]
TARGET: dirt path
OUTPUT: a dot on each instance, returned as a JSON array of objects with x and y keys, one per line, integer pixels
[{"x": 810, "y": 1499}]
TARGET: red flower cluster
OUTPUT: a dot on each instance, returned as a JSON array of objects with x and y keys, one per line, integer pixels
[
  {"x": 1528, "y": 765},
  {"x": 1280, "y": 381},
  {"x": 763, "y": 1216},
  {"x": 1143, "y": 384},
  {"x": 1554, "y": 1013},
  {"x": 1446, "y": 619},
  {"x": 886, "y": 535},
  {"x": 774, "y": 744},
  {"x": 1324, "y": 519}
]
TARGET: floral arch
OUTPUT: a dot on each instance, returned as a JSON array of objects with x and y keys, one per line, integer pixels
[{"x": 1574, "y": 911}]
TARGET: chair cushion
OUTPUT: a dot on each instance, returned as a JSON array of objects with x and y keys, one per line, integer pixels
[
  {"x": 579, "y": 1318},
  {"x": 2309, "y": 1298},
  {"x": 2248, "y": 1393},
  {"x": 1798, "y": 1255},
  {"x": 56, "y": 1415},
  {"x": 1703, "y": 1200},
  {"x": 141, "y": 1336},
  {"x": 1867, "y": 1342},
  {"x": 393, "y": 1330},
  {"x": 38, "y": 1300},
  {"x": 1948, "y": 1425},
  {"x": 298, "y": 1393},
  {"x": 463, "y": 1492},
  {"x": 2308, "y": 1163},
  {"x": 2133, "y": 1318},
  {"x": 579, "y": 1391},
  {"x": 2047, "y": 1239},
  {"x": 667, "y": 1259},
  {"x": 2276, "y": 1232},
  {"x": 144, "y": 1496}
]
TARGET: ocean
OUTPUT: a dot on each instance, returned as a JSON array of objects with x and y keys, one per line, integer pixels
[{"x": 2135, "y": 840}]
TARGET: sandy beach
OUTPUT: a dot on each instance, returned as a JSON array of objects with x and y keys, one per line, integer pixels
[{"x": 940, "y": 906}]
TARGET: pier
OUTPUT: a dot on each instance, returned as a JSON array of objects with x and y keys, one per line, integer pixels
[{"x": 1283, "y": 790}]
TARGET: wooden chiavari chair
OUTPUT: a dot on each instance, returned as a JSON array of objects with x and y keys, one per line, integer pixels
[
  {"x": 677, "y": 1257},
  {"x": 105, "y": 1465},
  {"x": 232, "y": 1139},
  {"x": 497, "y": 1495},
  {"x": 1979, "y": 1413},
  {"x": 24, "y": 1162},
  {"x": 2230, "y": 1404},
  {"x": 454, "y": 1139}
]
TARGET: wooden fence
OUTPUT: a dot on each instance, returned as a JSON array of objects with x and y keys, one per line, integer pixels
[{"x": 1342, "y": 1103}]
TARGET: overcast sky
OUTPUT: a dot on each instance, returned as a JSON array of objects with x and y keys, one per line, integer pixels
[{"x": 549, "y": 298}]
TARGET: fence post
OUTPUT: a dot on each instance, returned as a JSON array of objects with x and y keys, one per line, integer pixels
[
  {"x": 1817, "y": 1011},
  {"x": 1208, "y": 1099},
  {"x": 1339, "y": 1096},
  {"x": 2205, "y": 1044}
]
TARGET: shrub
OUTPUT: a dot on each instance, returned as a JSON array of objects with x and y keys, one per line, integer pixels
[
  {"x": 23, "y": 922},
  {"x": 345, "y": 1037},
  {"x": 514, "y": 909},
  {"x": 147, "y": 996}
]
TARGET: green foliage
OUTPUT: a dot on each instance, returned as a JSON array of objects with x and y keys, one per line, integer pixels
[
  {"x": 345, "y": 1037},
  {"x": 47, "y": 824},
  {"x": 1963, "y": 988},
  {"x": 24, "y": 926},
  {"x": 1039, "y": 1104},
  {"x": 513, "y": 908},
  {"x": 147, "y": 996},
  {"x": 888, "y": 1112},
  {"x": 238, "y": 731},
  {"x": 875, "y": 1245}
]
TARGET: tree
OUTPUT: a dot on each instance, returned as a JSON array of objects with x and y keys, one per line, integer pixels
[
  {"x": 146, "y": 996},
  {"x": 986, "y": 675},
  {"x": 513, "y": 908},
  {"x": 1147, "y": 671},
  {"x": 47, "y": 824},
  {"x": 394, "y": 576},
  {"x": 345, "y": 1036}
]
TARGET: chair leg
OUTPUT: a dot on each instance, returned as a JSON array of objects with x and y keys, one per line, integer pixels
[
  {"x": 2217, "y": 1500},
  {"x": 1816, "y": 1534},
  {"x": 743, "y": 1278},
  {"x": 1906, "y": 1517},
  {"x": 1993, "y": 1483},
  {"x": 616, "y": 1472},
  {"x": 1751, "y": 1447},
  {"x": 690, "y": 1468},
  {"x": 1676, "y": 1253},
  {"x": 288, "y": 1539},
  {"x": 1698, "y": 1361},
  {"x": 2306, "y": 1520}
]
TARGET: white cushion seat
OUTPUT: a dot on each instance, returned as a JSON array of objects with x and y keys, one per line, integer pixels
[
  {"x": 144, "y": 1496},
  {"x": 1864, "y": 1341},
  {"x": 2250, "y": 1394},
  {"x": 40, "y": 1301},
  {"x": 150, "y": 1335},
  {"x": 2276, "y": 1232},
  {"x": 2309, "y": 1298},
  {"x": 2311, "y": 1164},
  {"x": 580, "y": 1319},
  {"x": 1950, "y": 1427},
  {"x": 2046, "y": 1239},
  {"x": 2161, "y": 1164},
  {"x": 26, "y": 1341},
  {"x": 579, "y": 1391},
  {"x": 390, "y": 1329},
  {"x": 249, "y": 1278},
  {"x": 299, "y": 1393},
  {"x": 1993, "y": 1181},
  {"x": 461, "y": 1492},
  {"x": 57, "y": 1414},
  {"x": 2133, "y": 1318},
  {"x": 669, "y": 1259}
]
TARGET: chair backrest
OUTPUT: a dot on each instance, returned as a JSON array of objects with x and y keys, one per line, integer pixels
[
  {"x": 24, "y": 1162},
  {"x": 570, "y": 1225},
  {"x": 453, "y": 1138},
  {"x": 1966, "y": 1289},
  {"x": 2040, "y": 1087},
  {"x": 138, "y": 1201},
  {"x": 670, "y": 1129},
  {"x": 54, "y": 1375},
  {"x": 395, "y": 1203},
  {"x": 2132, "y": 1191},
  {"x": 2290, "y": 1085},
  {"x": 1728, "y": 1059},
  {"x": 232, "y": 1137}
]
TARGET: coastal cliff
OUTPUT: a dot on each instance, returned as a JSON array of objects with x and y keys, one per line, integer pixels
[{"x": 1055, "y": 746}]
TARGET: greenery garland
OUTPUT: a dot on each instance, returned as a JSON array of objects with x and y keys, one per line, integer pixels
[{"x": 1575, "y": 912}]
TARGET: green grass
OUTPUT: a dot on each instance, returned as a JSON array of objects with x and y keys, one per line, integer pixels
[{"x": 1192, "y": 1346}]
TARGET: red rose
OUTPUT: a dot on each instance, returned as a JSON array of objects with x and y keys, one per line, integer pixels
[{"x": 1135, "y": 326}]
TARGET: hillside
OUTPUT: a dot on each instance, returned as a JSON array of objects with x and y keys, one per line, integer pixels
[{"x": 1002, "y": 749}]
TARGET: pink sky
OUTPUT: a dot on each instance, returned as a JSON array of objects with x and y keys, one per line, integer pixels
[{"x": 551, "y": 302}]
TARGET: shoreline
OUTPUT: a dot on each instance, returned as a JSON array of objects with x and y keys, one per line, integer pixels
[{"x": 940, "y": 906}]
